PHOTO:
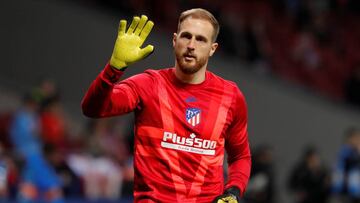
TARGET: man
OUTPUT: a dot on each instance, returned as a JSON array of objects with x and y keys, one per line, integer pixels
[
  {"x": 40, "y": 182},
  {"x": 185, "y": 116},
  {"x": 309, "y": 179},
  {"x": 345, "y": 180}
]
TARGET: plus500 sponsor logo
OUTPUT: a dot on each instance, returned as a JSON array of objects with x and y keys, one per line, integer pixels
[{"x": 189, "y": 144}]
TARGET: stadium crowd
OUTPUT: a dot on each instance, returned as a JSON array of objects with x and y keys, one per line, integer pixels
[{"x": 96, "y": 164}]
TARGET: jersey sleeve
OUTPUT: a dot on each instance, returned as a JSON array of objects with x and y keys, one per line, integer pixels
[
  {"x": 108, "y": 97},
  {"x": 237, "y": 145}
]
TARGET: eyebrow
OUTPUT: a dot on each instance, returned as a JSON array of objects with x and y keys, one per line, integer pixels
[{"x": 202, "y": 37}]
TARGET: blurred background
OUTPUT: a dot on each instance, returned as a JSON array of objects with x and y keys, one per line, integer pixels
[{"x": 296, "y": 61}]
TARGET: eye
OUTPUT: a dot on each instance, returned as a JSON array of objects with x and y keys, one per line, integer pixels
[
  {"x": 201, "y": 39},
  {"x": 186, "y": 35}
]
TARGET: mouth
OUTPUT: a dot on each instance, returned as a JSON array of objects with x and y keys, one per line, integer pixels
[{"x": 189, "y": 57}]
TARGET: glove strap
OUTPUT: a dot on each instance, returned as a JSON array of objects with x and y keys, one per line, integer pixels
[{"x": 234, "y": 191}]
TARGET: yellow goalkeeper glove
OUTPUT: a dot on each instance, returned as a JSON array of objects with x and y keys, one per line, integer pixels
[
  {"x": 127, "y": 49},
  {"x": 231, "y": 195}
]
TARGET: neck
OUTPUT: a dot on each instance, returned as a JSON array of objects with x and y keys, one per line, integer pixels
[{"x": 195, "y": 78}]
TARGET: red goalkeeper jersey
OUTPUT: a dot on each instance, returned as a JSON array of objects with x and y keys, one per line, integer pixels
[{"x": 181, "y": 131}]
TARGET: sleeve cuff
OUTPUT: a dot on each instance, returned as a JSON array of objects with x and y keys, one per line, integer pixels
[
  {"x": 111, "y": 75},
  {"x": 234, "y": 190},
  {"x": 238, "y": 189}
]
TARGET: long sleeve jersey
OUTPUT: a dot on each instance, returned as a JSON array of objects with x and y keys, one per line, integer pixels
[{"x": 181, "y": 131}]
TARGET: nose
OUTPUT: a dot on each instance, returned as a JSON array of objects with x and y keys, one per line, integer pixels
[{"x": 191, "y": 44}]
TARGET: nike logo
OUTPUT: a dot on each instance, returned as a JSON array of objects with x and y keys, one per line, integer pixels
[{"x": 190, "y": 99}]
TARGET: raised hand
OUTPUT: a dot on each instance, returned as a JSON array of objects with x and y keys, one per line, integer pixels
[{"x": 127, "y": 49}]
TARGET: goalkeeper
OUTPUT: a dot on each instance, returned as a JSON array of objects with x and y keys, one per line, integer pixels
[{"x": 185, "y": 115}]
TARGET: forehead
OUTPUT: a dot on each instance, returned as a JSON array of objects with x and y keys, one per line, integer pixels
[{"x": 197, "y": 27}]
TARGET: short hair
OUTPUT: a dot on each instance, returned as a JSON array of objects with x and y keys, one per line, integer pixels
[{"x": 200, "y": 13}]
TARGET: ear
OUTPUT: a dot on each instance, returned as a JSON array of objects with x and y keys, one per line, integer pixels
[
  {"x": 174, "y": 39},
  {"x": 213, "y": 48}
]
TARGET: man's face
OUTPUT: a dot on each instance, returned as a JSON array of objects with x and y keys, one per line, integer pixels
[{"x": 193, "y": 44}]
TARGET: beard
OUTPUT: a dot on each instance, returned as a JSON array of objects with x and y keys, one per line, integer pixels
[{"x": 189, "y": 67}]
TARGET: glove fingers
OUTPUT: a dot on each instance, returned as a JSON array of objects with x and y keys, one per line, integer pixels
[
  {"x": 141, "y": 24},
  {"x": 133, "y": 25},
  {"x": 226, "y": 198},
  {"x": 146, "y": 51},
  {"x": 122, "y": 27},
  {"x": 146, "y": 31},
  {"x": 227, "y": 201}
]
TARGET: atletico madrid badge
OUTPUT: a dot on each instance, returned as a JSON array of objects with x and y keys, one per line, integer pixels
[{"x": 193, "y": 116}]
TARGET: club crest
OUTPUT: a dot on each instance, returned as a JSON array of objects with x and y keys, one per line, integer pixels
[{"x": 193, "y": 116}]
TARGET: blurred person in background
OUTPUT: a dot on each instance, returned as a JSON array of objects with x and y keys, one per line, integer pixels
[
  {"x": 53, "y": 123},
  {"x": 305, "y": 52},
  {"x": 52, "y": 117},
  {"x": 107, "y": 138},
  {"x": 106, "y": 146},
  {"x": 8, "y": 175},
  {"x": 3, "y": 175},
  {"x": 12, "y": 174},
  {"x": 5, "y": 121},
  {"x": 127, "y": 189},
  {"x": 101, "y": 177},
  {"x": 346, "y": 176},
  {"x": 310, "y": 179},
  {"x": 261, "y": 187},
  {"x": 72, "y": 185},
  {"x": 39, "y": 180},
  {"x": 185, "y": 116},
  {"x": 98, "y": 160}
]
